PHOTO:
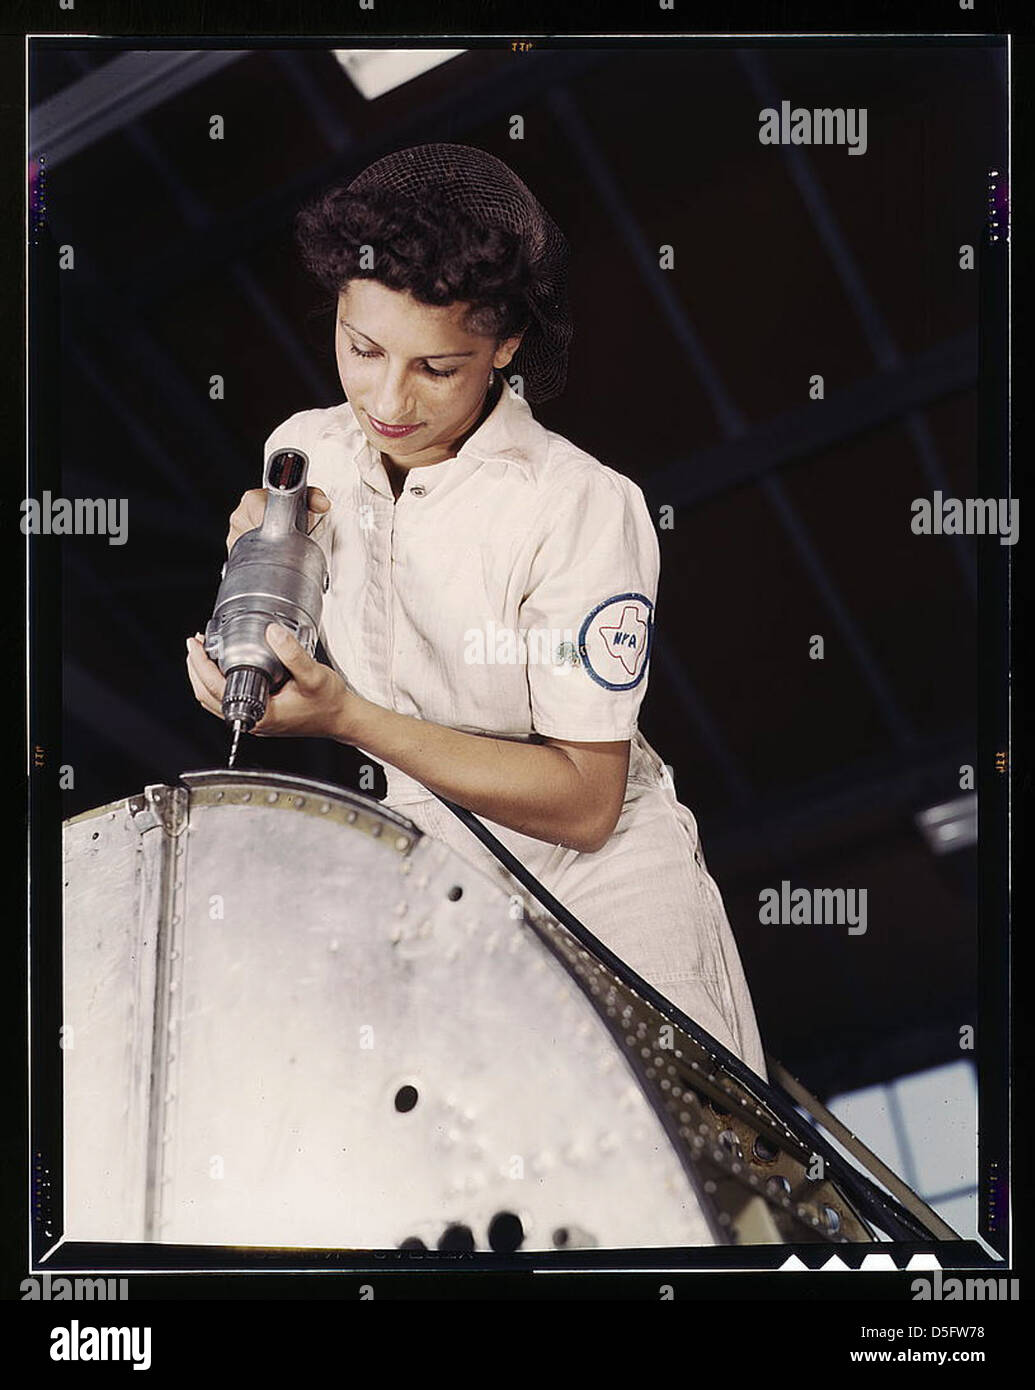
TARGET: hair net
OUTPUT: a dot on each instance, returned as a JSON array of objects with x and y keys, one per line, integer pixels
[{"x": 482, "y": 186}]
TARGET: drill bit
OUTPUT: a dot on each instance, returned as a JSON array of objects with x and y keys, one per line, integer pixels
[{"x": 238, "y": 726}]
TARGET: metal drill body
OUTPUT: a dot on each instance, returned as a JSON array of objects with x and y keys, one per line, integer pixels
[{"x": 275, "y": 573}]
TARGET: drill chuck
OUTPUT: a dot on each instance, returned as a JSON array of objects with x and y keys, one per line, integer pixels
[{"x": 245, "y": 697}]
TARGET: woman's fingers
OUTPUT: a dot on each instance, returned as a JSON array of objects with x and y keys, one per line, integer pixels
[
  {"x": 319, "y": 505},
  {"x": 210, "y": 674},
  {"x": 205, "y": 677},
  {"x": 247, "y": 515},
  {"x": 204, "y": 698},
  {"x": 251, "y": 509}
]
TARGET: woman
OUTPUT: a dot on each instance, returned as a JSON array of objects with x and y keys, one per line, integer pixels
[{"x": 492, "y": 586}]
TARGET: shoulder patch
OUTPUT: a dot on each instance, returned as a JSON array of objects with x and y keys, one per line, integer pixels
[{"x": 615, "y": 638}]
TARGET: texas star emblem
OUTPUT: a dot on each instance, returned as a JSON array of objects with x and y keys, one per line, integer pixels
[
  {"x": 614, "y": 640},
  {"x": 627, "y": 639}
]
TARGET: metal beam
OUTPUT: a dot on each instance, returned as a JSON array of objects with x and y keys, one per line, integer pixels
[
  {"x": 125, "y": 334},
  {"x": 663, "y": 659},
  {"x": 877, "y": 333},
  {"x": 236, "y": 234},
  {"x": 950, "y": 367},
  {"x": 195, "y": 214},
  {"x": 146, "y": 443},
  {"x": 325, "y": 116},
  {"x": 791, "y": 824},
  {"x": 109, "y": 97},
  {"x": 838, "y": 1066},
  {"x": 572, "y": 121},
  {"x": 645, "y": 257}
]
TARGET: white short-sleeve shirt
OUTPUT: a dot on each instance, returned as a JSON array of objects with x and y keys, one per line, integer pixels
[{"x": 509, "y": 590}]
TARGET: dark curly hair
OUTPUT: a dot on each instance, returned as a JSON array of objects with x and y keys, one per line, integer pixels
[{"x": 437, "y": 253}]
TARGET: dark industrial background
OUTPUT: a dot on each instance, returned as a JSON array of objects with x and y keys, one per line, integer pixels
[{"x": 791, "y": 516}]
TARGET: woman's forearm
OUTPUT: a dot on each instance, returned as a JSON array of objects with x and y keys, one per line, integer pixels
[{"x": 533, "y": 788}]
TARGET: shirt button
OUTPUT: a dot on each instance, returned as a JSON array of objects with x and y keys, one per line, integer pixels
[{"x": 417, "y": 490}]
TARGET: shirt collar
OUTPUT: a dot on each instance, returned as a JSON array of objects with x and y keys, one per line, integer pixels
[{"x": 509, "y": 436}]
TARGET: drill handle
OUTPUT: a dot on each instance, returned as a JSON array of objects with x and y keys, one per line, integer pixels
[{"x": 287, "y": 496}]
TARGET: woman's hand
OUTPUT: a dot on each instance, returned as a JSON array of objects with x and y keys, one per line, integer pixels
[
  {"x": 251, "y": 509},
  {"x": 314, "y": 703}
]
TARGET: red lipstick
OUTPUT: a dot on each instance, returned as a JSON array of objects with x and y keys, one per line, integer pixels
[{"x": 391, "y": 431}]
